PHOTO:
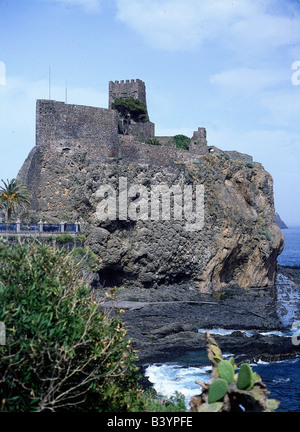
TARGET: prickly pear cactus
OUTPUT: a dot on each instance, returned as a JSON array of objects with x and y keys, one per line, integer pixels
[
  {"x": 244, "y": 380},
  {"x": 231, "y": 392},
  {"x": 217, "y": 390},
  {"x": 226, "y": 371}
]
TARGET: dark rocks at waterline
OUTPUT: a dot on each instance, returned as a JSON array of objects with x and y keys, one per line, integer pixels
[
  {"x": 238, "y": 344},
  {"x": 163, "y": 323},
  {"x": 258, "y": 346},
  {"x": 293, "y": 273},
  {"x": 252, "y": 348}
]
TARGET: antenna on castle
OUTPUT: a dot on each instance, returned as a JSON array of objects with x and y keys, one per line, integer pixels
[{"x": 49, "y": 82}]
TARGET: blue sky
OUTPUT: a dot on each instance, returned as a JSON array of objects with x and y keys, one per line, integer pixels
[{"x": 224, "y": 65}]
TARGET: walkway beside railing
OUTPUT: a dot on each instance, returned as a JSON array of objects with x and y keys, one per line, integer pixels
[{"x": 39, "y": 228}]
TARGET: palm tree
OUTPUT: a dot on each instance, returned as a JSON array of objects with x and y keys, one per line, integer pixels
[{"x": 12, "y": 195}]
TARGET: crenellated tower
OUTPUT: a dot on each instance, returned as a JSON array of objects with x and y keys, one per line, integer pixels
[
  {"x": 125, "y": 89},
  {"x": 137, "y": 90}
]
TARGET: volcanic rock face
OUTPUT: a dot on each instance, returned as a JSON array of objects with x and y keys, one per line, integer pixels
[
  {"x": 238, "y": 243},
  {"x": 75, "y": 160}
]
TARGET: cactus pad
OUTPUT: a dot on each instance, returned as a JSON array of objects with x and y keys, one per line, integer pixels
[
  {"x": 225, "y": 371},
  {"x": 244, "y": 376},
  {"x": 217, "y": 390}
]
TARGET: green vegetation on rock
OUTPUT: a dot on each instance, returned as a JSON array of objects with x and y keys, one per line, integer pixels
[
  {"x": 131, "y": 107},
  {"x": 182, "y": 142},
  {"x": 61, "y": 352},
  {"x": 154, "y": 141},
  {"x": 244, "y": 377},
  {"x": 226, "y": 371},
  {"x": 217, "y": 390}
]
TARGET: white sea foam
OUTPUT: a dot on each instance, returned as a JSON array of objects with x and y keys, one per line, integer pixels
[
  {"x": 249, "y": 333},
  {"x": 224, "y": 332},
  {"x": 169, "y": 378},
  {"x": 262, "y": 362}
]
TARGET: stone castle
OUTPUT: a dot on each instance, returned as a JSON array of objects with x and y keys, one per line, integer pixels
[
  {"x": 68, "y": 124},
  {"x": 80, "y": 148}
]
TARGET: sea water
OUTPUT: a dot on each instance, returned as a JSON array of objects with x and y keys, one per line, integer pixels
[
  {"x": 282, "y": 378},
  {"x": 290, "y": 255}
]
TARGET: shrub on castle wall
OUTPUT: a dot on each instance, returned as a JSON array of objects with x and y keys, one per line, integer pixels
[
  {"x": 154, "y": 141},
  {"x": 182, "y": 142},
  {"x": 131, "y": 107}
]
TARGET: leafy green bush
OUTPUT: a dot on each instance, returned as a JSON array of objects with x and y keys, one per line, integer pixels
[
  {"x": 154, "y": 403},
  {"x": 154, "y": 141},
  {"x": 86, "y": 257},
  {"x": 136, "y": 109},
  {"x": 64, "y": 238},
  {"x": 182, "y": 142},
  {"x": 61, "y": 352}
]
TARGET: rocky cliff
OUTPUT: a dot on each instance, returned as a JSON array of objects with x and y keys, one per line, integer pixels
[
  {"x": 279, "y": 222},
  {"x": 238, "y": 243}
]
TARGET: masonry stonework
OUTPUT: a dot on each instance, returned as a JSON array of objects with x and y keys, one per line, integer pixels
[
  {"x": 65, "y": 122},
  {"x": 127, "y": 89},
  {"x": 67, "y": 126}
]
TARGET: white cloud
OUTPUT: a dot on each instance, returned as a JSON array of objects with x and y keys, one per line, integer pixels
[
  {"x": 164, "y": 24},
  {"x": 178, "y": 24},
  {"x": 249, "y": 81},
  {"x": 283, "y": 107},
  {"x": 268, "y": 91},
  {"x": 265, "y": 32}
]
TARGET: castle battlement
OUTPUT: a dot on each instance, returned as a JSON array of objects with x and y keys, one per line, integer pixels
[
  {"x": 125, "y": 89},
  {"x": 127, "y": 81}
]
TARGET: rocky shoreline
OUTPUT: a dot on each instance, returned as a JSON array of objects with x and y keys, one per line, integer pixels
[{"x": 163, "y": 323}]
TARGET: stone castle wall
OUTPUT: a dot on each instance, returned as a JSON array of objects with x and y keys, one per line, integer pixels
[
  {"x": 65, "y": 122},
  {"x": 66, "y": 128}
]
